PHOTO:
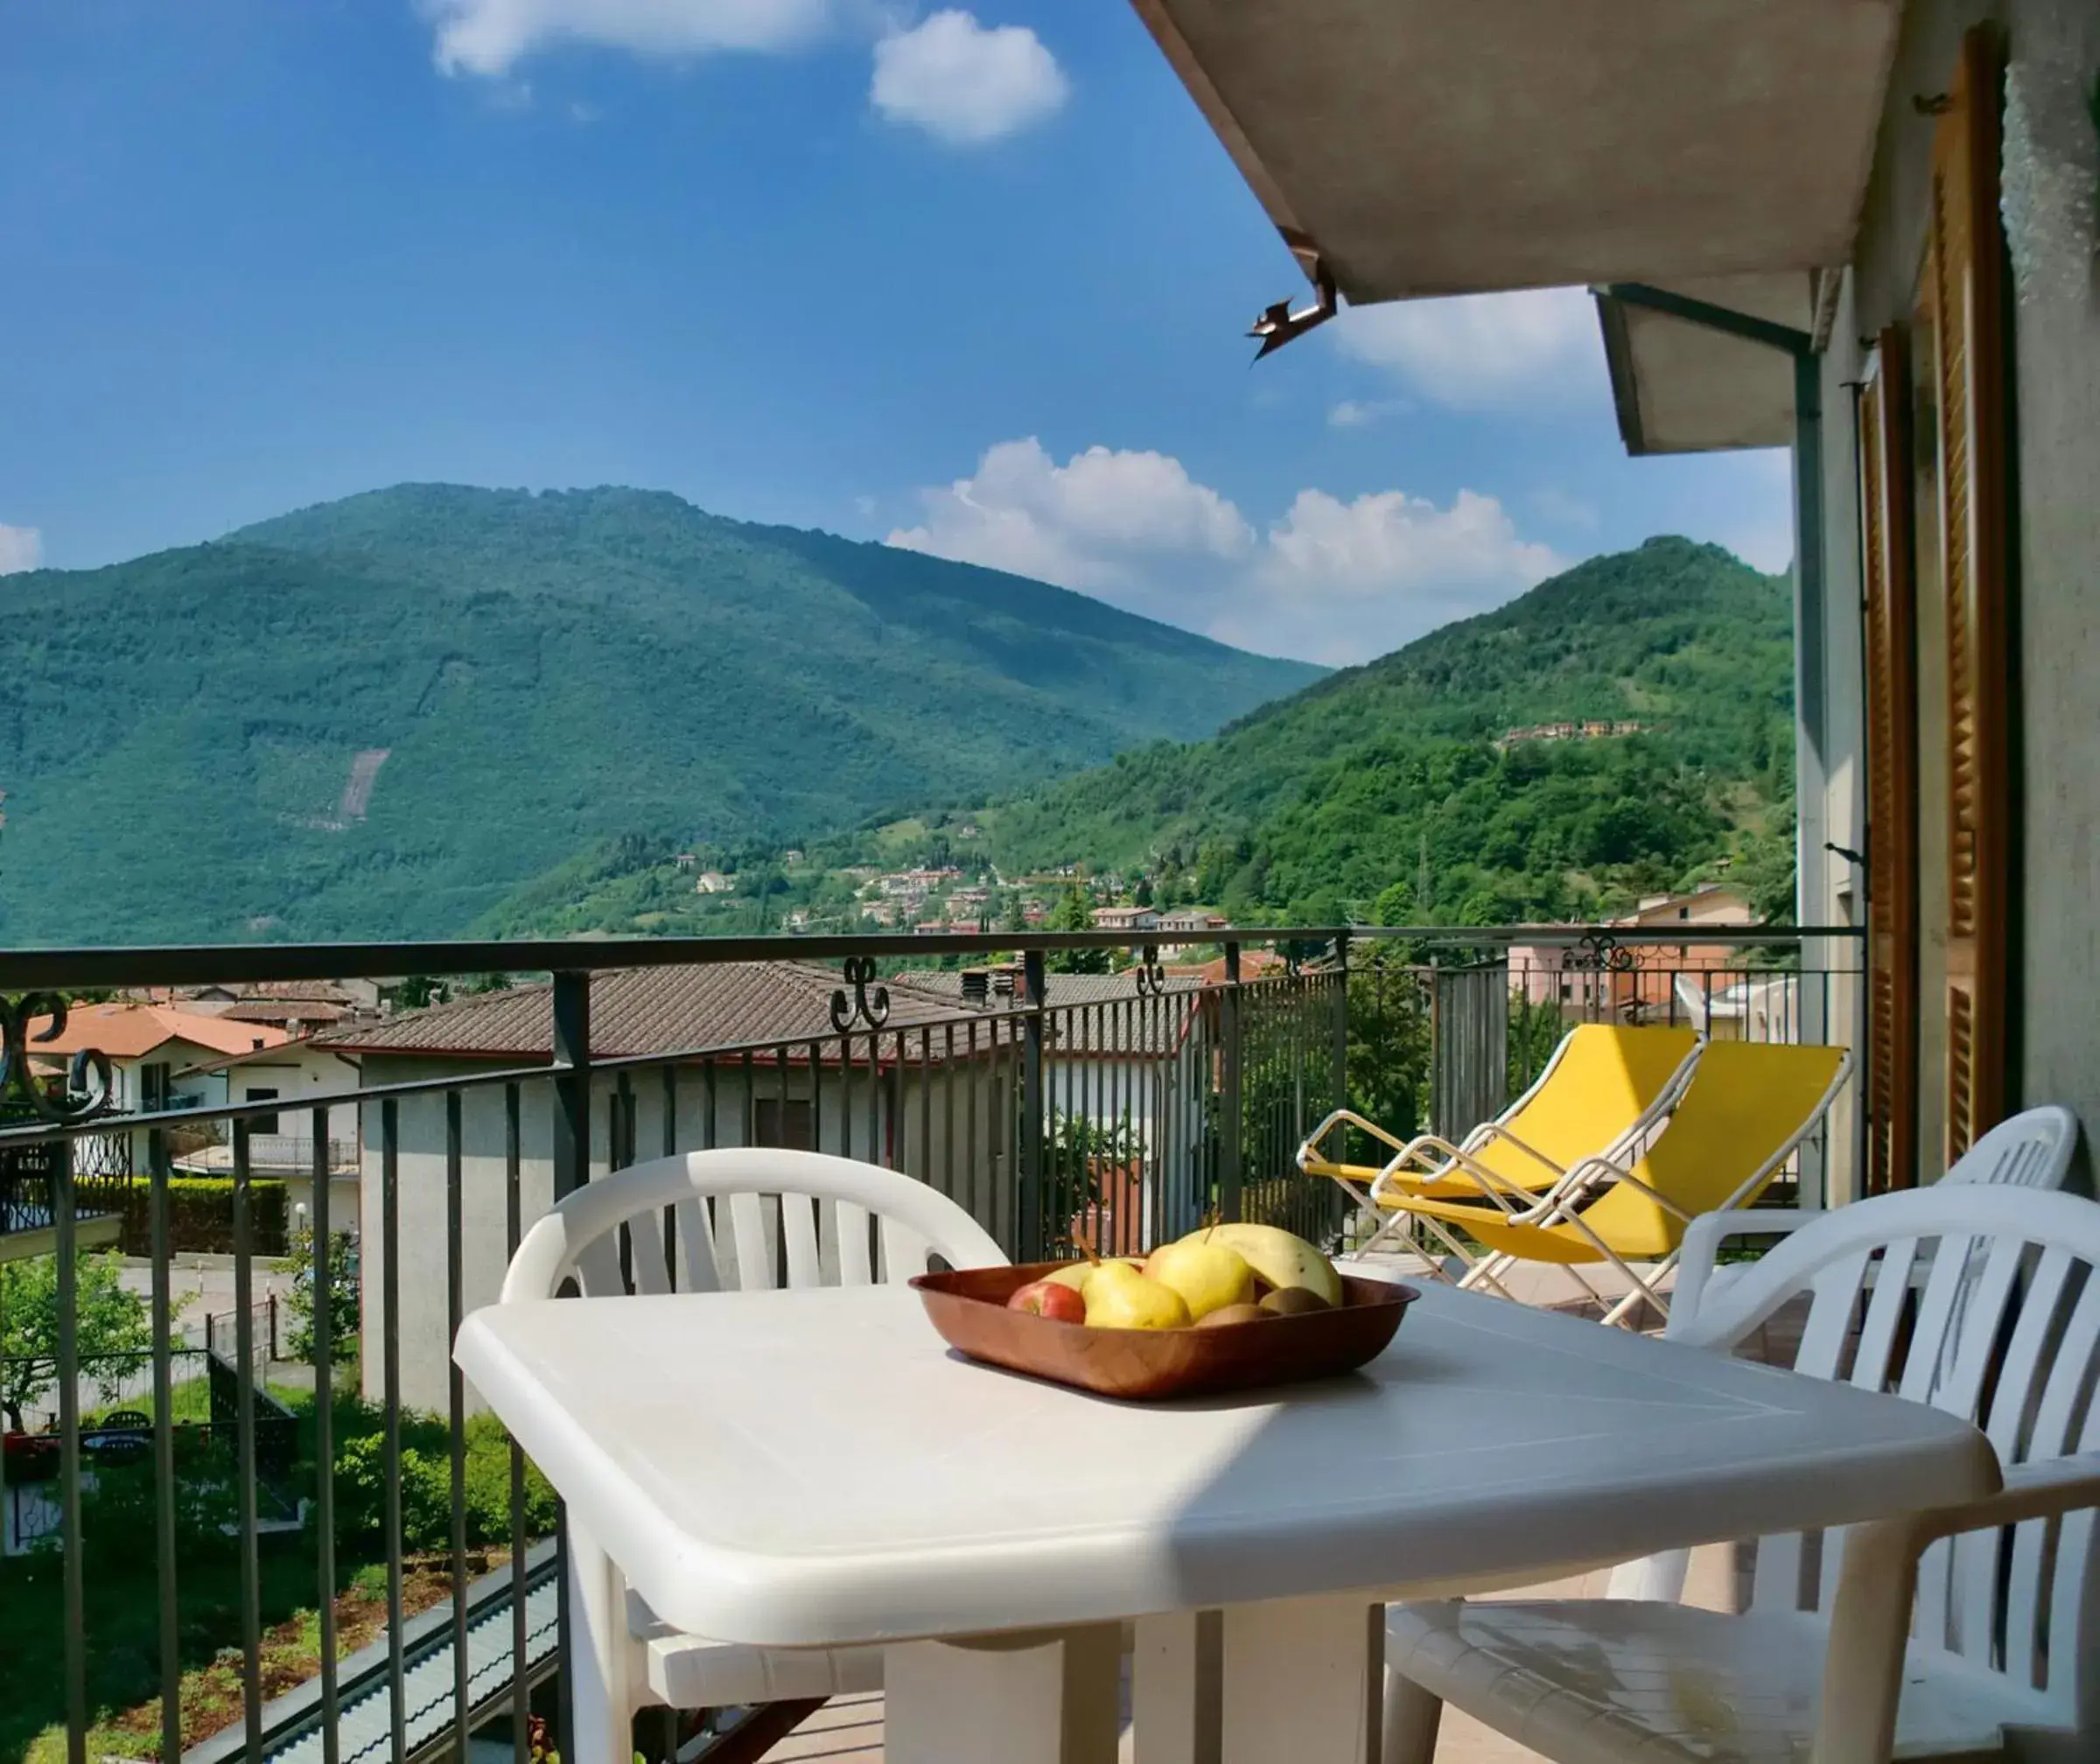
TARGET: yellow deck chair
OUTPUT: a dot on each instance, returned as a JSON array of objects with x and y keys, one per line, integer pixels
[
  {"x": 1748, "y": 1106},
  {"x": 1604, "y": 1089}
]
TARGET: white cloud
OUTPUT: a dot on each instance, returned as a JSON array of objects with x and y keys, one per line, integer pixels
[
  {"x": 490, "y": 37},
  {"x": 1331, "y": 581},
  {"x": 1478, "y": 351},
  {"x": 1360, "y": 413},
  {"x": 1093, "y": 523},
  {"x": 964, "y": 83},
  {"x": 21, "y": 548}
]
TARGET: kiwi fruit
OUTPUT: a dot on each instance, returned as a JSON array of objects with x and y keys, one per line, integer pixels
[
  {"x": 1289, "y": 1301},
  {"x": 1231, "y": 1314}
]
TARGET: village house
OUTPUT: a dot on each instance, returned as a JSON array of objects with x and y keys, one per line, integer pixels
[{"x": 944, "y": 1110}]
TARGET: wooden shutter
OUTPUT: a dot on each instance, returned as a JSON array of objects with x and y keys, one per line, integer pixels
[
  {"x": 1892, "y": 769},
  {"x": 1965, "y": 269}
]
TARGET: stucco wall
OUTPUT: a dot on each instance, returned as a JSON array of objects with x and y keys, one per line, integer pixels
[
  {"x": 918, "y": 1113},
  {"x": 2052, "y": 160}
]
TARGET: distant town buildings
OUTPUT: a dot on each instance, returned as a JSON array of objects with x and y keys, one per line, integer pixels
[{"x": 1594, "y": 731}]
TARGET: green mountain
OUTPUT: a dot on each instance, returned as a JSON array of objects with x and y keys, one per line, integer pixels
[
  {"x": 380, "y": 717},
  {"x": 1388, "y": 792}
]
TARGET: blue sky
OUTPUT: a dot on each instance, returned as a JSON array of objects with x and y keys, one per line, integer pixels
[{"x": 973, "y": 281}]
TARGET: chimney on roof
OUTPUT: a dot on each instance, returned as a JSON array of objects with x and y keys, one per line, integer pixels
[
  {"x": 976, "y": 986},
  {"x": 1003, "y": 983}
]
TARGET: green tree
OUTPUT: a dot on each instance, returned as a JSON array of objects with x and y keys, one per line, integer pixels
[
  {"x": 113, "y": 1331},
  {"x": 1073, "y": 913},
  {"x": 342, "y": 1287}
]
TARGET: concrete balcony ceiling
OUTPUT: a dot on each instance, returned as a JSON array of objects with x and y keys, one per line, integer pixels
[{"x": 1424, "y": 149}]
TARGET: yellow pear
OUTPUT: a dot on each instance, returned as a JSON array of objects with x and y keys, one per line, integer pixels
[
  {"x": 1208, "y": 1275},
  {"x": 1278, "y": 1257},
  {"x": 1077, "y": 1274},
  {"x": 1118, "y": 1297}
]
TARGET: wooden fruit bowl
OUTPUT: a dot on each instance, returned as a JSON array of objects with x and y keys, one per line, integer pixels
[{"x": 969, "y": 1307}]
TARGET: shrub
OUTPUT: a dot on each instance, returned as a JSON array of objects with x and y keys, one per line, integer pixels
[{"x": 200, "y": 1215}]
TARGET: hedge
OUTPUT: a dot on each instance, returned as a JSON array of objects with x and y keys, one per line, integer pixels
[{"x": 200, "y": 1215}]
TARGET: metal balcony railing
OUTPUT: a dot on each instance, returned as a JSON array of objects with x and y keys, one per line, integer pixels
[{"x": 317, "y": 1554}]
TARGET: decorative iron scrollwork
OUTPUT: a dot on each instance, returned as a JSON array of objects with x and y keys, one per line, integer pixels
[
  {"x": 1151, "y": 978},
  {"x": 1600, "y": 952},
  {"x": 90, "y": 1086},
  {"x": 869, "y": 1009}
]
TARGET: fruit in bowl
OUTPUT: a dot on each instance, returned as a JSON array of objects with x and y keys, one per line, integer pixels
[
  {"x": 1207, "y": 1274},
  {"x": 1118, "y": 1297},
  {"x": 1050, "y": 1298}
]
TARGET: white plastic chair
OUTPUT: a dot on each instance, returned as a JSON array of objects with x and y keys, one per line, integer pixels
[
  {"x": 2004, "y": 1657},
  {"x": 2032, "y": 1150},
  {"x": 821, "y": 1220}
]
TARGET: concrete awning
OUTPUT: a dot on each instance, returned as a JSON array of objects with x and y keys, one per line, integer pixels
[
  {"x": 1681, "y": 387},
  {"x": 1425, "y": 148}
]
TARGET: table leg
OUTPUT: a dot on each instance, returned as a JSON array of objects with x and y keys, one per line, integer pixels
[
  {"x": 1174, "y": 1665},
  {"x": 601, "y": 1712},
  {"x": 1302, "y": 1680},
  {"x": 1043, "y": 1698}
]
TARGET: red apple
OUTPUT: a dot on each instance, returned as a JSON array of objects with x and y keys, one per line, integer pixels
[{"x": 1047, "y": 1298}]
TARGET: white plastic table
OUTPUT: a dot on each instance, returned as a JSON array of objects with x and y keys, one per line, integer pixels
[{"x": 816, "y": 1468}]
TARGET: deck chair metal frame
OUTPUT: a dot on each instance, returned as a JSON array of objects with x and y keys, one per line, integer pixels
[
  {"x": 1566, "y": 1204},
  {"x": 1430, "y": 1165}
]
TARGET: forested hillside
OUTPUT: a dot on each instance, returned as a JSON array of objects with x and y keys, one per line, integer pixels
[
  {"x": 1387, "y": 792},
  {"x": 378, "y": 717}
]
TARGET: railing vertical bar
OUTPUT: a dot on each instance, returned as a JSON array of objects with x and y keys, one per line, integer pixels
[
  {"x": 389, "y": 1324},
  {"x": 958, "y": 1184},
  {"x": 813, "y": 1056},
  {"x": 1229, "y": 1101},
  {"x": 877, "y": 1150},
  {"x": 620, "y": 1143},
  {"x": 75, "y": 1574},
  {"x": 1113, "y": 1074},
  {"x": 975, "y": 1156},
  {"x": 170, "y": 1634},
  {"x": 925, "y": 1103},
  {"x": 845, "y": 1095},
  {"x": 321, "y": 1265},
  {"x": 455, "y": 1312},
  {"x": 571, "y": 1149},
  {"x": 513, "y": 1230},
  {"x": 1029, "y": 1153},
  {"x": 669, "y": 1141},
  {"x": 780, "y": 1247},
  {"x": 244, "y": 1424}
]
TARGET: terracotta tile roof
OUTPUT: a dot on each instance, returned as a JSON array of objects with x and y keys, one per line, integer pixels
[
  {"x": 1094, "y": 1013},
  {"x": 641, "y": 1010},
  {"x": 127, "y": 1031}
]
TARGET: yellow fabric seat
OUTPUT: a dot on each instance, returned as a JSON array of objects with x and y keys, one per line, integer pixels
[
  {"x": 1605, "y": 1083},
  {"x": 1749, "y": 1105}
]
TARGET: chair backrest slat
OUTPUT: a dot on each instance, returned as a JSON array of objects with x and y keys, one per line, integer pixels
[
  {"x": 798, "y": 1231},
  {"x": 1885, "y": 1312},
  {"x": 597, "y": 1268},
  {"x": 2005, "y": 1331},
  {"x": 696, "y": 1247},
  {"x": 903, "y": 1252},
  {"x": 751, "y": 1242},
  {"x": 645, "y": 1252},
  {"x": 2067, "y": 1418},
  {"x": 804, "y": 1216},
  {"x": 856, "y": 1260}
]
